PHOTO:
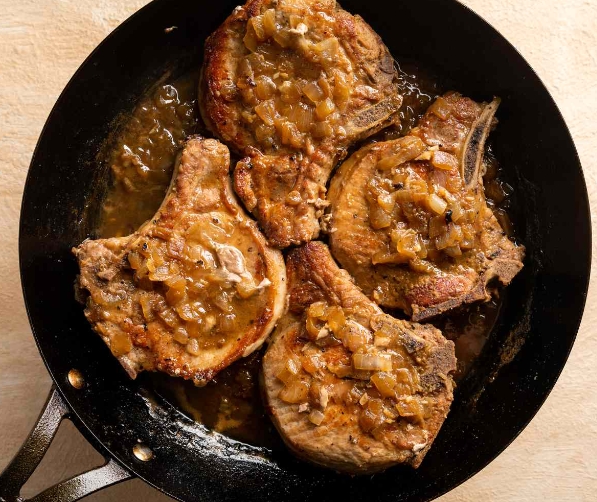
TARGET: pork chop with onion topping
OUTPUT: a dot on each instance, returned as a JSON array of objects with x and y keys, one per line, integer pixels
[
  {"x": 347, "y": 386},
  {"x": 196, "y": 287},
  {"x": 409, "y": 219},
  {"x": 291, "y": 84}
]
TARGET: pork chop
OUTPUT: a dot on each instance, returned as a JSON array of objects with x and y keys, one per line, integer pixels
[
  {"x": 347, "y": 386},
  {"x": 409, "y": 219},
  {"x": 196, "y": 287},
  {"x": 291, "y": 84}
]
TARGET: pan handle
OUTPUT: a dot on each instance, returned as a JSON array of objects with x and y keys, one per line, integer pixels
[{"x": 22, "y": 466}]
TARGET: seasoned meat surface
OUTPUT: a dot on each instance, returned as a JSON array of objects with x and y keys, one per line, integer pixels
[
  {"x": 290, "y": 84},
  {"x": 347, "y": 386},
  {"x": 409, "y": 220},
  {"x": 196, "y": 287}
]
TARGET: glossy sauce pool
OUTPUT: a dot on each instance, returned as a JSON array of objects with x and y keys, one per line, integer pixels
[{"x": 141, "y": 157}]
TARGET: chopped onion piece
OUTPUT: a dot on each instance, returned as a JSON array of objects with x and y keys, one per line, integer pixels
[
  {"x": 193, "y": 347},
  {"x": 324, "y": 109},
  {"x": 313, "y": 92},
  {"x": 385, "y": 383},
  {"x": 250, "y": 38},
  {"x": 406, "y": 242},
  {"x": 227, "y": 322},
  {"x": 372, "y": 416},
  {"x": 134, "y": 260},
  {"x": 436, "y": 203},
  {"x": 314, "y": 327},
  {"x": 311, "y": 363},
  {"x": 269, "y": 22},
  {"x": 327, "y": 49},
  {"x": 317, "y": 309},
  {"x": 265, "y": 87},
  {"x": 121, "y": 344},
  {"x": 372, "y": 362},
  {"x": 336, "y": 318},
  {"x": 316, "y": 417},
  {"x": 382, "y": 341},
  {"x": 386, "y": 201},
  {"x": 266, "y": 112},
  {"x": 289, "y": 92},
  {"x": 379, "y": 218},
  {"x": 295, "y": 391},
  {"x": 441, "y": 108},
  {"x": 290, "y": 370},
  {"x": 444, "y": 160},
  {"x": 169, "y": 317},
  {"x": 181, "y": 335}
]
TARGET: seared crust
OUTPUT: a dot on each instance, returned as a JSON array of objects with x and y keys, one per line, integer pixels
[
  {"x": 139, "y": 317},
  {"x": 449, "y": 281},
  {"x": 340, "y": 442},
  {"x": 290, "y": 150},
  {"x": 264, "y": 183}
]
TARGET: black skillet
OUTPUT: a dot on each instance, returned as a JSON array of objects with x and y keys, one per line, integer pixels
[{"x": 520, "y": 364}]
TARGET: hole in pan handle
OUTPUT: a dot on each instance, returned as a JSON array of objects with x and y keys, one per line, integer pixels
[{"x": 22, "y": 466}]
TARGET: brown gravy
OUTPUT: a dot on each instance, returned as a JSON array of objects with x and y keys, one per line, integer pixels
[{"x": 142, "y": 157}]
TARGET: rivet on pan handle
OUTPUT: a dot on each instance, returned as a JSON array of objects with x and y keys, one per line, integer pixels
[{"x": 33, "y": 450}]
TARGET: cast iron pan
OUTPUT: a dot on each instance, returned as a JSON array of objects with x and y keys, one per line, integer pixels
[{"x": 527, "y": 349}]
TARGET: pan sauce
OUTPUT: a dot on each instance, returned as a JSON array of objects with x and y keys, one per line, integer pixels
[{"x": 141, "y": 157}]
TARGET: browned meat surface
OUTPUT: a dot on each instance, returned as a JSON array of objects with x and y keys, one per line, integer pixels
[
  {"x": 196, "y": 287},
  {"x": 291, "y": 84},
  {"x": 409, "y": 220},
  {"x": 347, "y": 386}
]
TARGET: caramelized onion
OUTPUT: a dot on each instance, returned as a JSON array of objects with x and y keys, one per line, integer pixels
[
  {"x": 372, "y": 415},
  {"x": 436, "y": 203},
  {"x": 265, "y": 87},
  {"x": 269, "y": 22},
  {"x": 181, "y": 335},
  {"x": 120, "y": 344},
  {"x": 193, "y": 347},
  {"x": 169, "y": 317},
  {"x": 313, "y": 92},
  {"x": 290, "y": 370},
  {"x": 295, "y": 391},
  {"x": 445, "y": 161},
  {"x": 266, "y": 112},
  {"x": 385, "y": 383},
  {"x": 317, "y": 309},
  {"x": 336, "y": 318},
  {"x": 324, "y": 109}
]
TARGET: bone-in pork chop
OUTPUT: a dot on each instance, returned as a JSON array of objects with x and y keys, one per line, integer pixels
[
  {"x": 290, "y": 84},
  {"x": 409, "y": 219},
  {"x": 196, "y": 287},
  {"x": 347, "y": 386}
]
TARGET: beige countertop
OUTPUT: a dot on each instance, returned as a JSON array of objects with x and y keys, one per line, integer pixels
[{"x": 44, "y": 41}]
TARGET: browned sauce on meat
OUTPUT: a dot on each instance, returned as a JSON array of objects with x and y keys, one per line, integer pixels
[{"x": 142, "y": 157}]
